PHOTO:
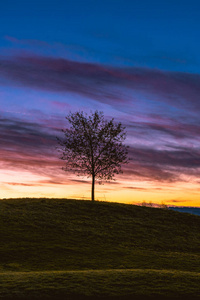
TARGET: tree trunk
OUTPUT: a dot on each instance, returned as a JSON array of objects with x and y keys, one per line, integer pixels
[{"x": 93, "y": 182}]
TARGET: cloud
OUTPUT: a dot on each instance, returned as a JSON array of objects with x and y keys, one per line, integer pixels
[
  {"x": 20, "y": 183},
  {"x": 162, "y": 165},
  {"x": 59, "y": 75},
  {"x": 177, "y": 201},
  {"x": 149, "y": 172},
  {"x": 27, "y": 146},
  {"x": 61, "y": 105},
  {"x": 135, "y": 188},
  {"x": 157, "y": 127},
  {"x": 80, "y": 181},
  {"x": 17, "y": 135},
  {"x": 102, "y": 83},
  {"x": 31, "y": 42},
  {"x": 169, "y": 158},
  {"x": 32, "y": 147},
  {"x": 38, "y": 183}
]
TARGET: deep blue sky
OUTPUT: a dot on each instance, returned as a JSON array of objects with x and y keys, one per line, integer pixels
[
  {"x": 137, "y": 61},
  {"x": 158, "y": 34}
]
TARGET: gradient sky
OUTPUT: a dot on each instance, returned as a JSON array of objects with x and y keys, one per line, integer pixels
[{"x": 137, "y": 61}]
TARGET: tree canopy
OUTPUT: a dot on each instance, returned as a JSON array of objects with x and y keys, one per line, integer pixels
[{"x": 93, "y": 146}]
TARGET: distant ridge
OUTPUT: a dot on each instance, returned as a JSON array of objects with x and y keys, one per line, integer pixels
[{"x": 186, "y": 209}]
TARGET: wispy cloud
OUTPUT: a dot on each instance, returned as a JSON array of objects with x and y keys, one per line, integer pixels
[
  {"x": 15, "y": 134},
  {"x": 135, "y": 188},
  {"x": 102, "y": 83},
  {"x": 158, "y": 126},
  {"x": 32, "y": 147},
  {"x": 173, "y": 158},
  {"x": 178, "y": 200},
  {"x": 31, "y": 42},
  {"x": 26, "y": 145},
  {"x": 164, "y": 165}
]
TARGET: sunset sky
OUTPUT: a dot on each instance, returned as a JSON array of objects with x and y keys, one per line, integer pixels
[{"x": 137, "y": 61}]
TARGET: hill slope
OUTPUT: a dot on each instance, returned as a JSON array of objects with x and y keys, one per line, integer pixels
[{"x": 52, "y": 234}]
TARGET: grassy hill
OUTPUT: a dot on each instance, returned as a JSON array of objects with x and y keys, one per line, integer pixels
[{"x": 52, "y": 247}]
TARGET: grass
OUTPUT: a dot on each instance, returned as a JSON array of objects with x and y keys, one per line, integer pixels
[
  {"x": 101, "y": 283},
  {"x": 52, "y": 247}
]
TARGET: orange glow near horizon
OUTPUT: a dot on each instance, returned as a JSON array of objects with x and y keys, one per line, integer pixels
[{"x": 26, "y": 184}]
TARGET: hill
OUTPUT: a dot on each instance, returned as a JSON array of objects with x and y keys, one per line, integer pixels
[{"x": 41, "y": 238}]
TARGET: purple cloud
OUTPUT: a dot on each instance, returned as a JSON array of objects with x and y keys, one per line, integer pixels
[
  {"x": 172, "y": 158},
  {"x": 32, "y": 147},
  {"x": 102, "y": 83},
  {"x": 156, "y": 125},
  {"x": 17, "y": 134}
]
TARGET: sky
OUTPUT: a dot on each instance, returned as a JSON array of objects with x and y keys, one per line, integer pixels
[{"x": 137, "y": 61}]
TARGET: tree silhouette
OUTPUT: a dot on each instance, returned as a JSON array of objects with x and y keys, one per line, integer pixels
[{"x": 93, "y": 146}]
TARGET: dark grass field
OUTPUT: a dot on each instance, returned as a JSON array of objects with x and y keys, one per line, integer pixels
[{"x": 52, "y": 248}]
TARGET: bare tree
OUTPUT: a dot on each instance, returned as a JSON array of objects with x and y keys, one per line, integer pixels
[{"x": 93, "y": 146}]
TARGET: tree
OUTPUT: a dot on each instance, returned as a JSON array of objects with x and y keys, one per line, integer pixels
[{"x": 93, "y": 146}]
